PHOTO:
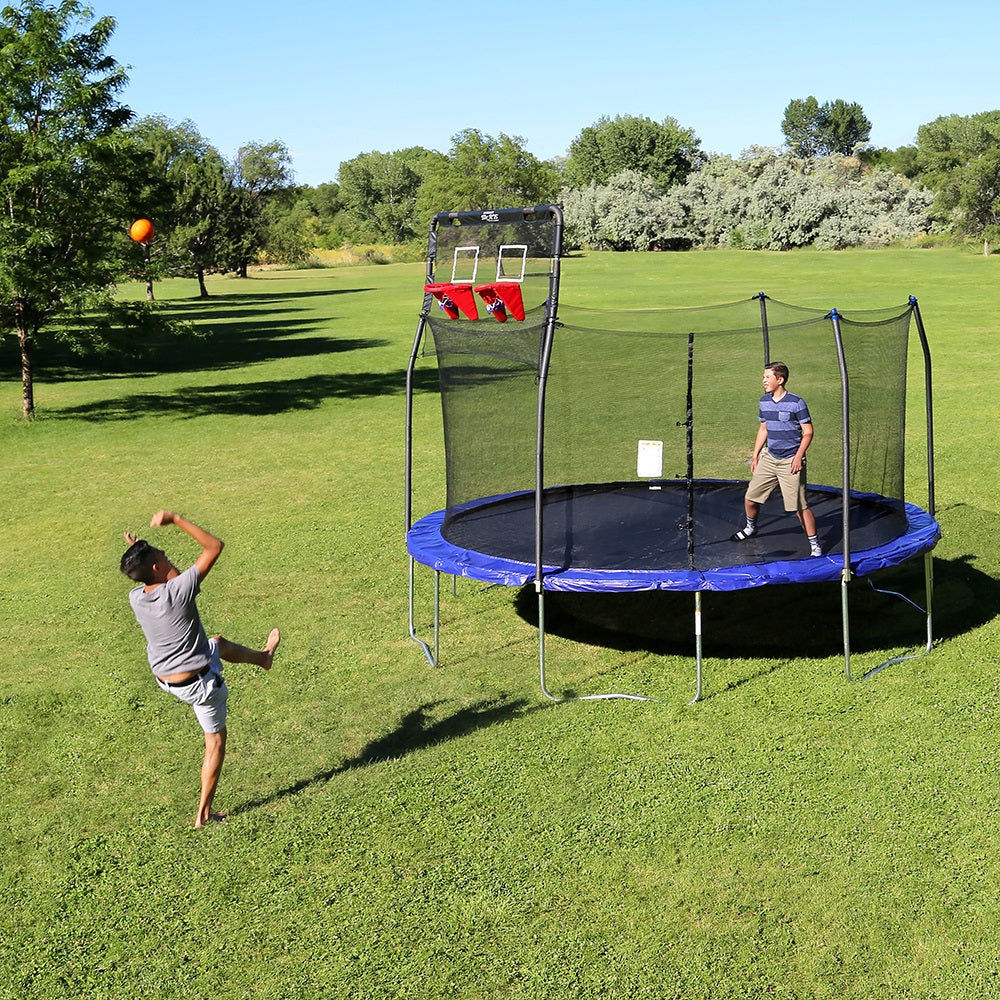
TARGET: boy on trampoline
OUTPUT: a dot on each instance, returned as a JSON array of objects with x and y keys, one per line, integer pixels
[
  {"x": 184, "y": 661},
  {"x": 779, "y": 456}
]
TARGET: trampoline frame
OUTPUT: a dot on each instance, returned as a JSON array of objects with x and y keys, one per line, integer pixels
[{"x": 432, "y": 653}]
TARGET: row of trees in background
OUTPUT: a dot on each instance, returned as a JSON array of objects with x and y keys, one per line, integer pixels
[
  {"x": 630, "y": 183},
  {"x": 76, "y": 168}
]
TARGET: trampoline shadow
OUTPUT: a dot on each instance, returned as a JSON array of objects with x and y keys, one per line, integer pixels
[
  {"x": 416, "y": 730},
  {"x": 762, "y": 621}
]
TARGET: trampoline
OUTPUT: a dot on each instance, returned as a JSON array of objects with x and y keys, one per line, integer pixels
[{"x": 560, "y": 424}]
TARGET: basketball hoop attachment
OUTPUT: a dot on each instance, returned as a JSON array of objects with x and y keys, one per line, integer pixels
[
  {"x": 501, "y": 298},
  {"x": 453, "y": 298}
]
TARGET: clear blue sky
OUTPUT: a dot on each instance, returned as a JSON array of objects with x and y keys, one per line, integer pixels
[{"x": 335, "y": 78}]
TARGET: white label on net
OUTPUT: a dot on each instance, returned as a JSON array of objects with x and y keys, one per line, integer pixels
[{"x": 649, "y": 464}]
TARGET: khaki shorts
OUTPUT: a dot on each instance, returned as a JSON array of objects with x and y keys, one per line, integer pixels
[{"x": 771, "y": 472}]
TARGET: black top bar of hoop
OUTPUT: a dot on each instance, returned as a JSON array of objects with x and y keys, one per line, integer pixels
[{"x": 502, "y": 216}]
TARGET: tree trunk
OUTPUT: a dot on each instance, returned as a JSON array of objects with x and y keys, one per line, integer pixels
[
  {"x": 986, "y": 248},
  {"x": 27, "y": 374},
  {"x": 202, "y": 288},
  {"x": 149, "y": 289}
]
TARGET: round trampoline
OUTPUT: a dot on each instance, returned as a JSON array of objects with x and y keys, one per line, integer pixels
[
  {"x": 608, "y": 449},
  {"x": 633, "y": 536}
]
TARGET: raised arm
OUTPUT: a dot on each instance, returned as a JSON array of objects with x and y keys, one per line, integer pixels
[{"x": 211, "y": 547}]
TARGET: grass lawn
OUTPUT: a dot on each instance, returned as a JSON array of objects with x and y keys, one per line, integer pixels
[{"x": 400, "y": 831}]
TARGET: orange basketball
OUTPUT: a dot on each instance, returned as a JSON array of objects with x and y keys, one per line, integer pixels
[{"x": 142, "y": 230}]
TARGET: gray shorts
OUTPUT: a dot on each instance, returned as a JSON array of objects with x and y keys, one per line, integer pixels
[
  {"x": 207, "y": 695},
  {"x": 771, "y": 472}
]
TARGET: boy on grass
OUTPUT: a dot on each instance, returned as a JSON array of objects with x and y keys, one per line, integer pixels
[
  {"x": 184, "y": 661},
  {"x": 779, "y": 456}
]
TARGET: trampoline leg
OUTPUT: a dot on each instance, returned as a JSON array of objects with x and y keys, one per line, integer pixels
[
  {"x": 928, "y": 597},
  {"x": 929, "y": 594},
  {"x": 432, "y": 656},
  {"x": 541, "y": 665},
  {"x": 697, "y": 647},
  {"x": 845, "y": 618},
  {"x": 541, "y": 646}
]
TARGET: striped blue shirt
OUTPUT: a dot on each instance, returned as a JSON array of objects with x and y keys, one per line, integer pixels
[{"x": 784, "y": 421}]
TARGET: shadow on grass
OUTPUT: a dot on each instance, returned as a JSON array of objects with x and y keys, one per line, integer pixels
[
  {"x": 247, "y": 398},
  {"x": 416, "y": 731},
  {"x": 238, "y": 330},
  {"x": 788, "y": 621}
]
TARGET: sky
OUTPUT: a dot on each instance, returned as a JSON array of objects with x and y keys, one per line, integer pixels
[{"x": 336, "y": 78}]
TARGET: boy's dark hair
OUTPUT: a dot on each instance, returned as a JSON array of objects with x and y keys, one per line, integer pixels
[
  {"x": 138, "y": 561},
  {"x": 780, "y": 369}
]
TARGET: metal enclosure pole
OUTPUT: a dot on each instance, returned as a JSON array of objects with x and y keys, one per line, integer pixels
[
  {"x": 414, "y": 353},
  {"x": 929, "y": 417},
  {"x": 545, "y": 356},
  {"x": 845, "y": 430},
  {"x": 764, "y": 329},
  {"x": 689, "y": 526},
  {"x": 928, "y": 403},
  {"x": 432, "y": 656}
]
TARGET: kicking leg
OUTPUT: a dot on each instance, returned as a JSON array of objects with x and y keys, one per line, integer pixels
[
  {"x": 211, "y": 768},
  {"x": 233, "y": 652}
]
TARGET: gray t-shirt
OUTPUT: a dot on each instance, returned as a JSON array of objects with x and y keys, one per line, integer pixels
[{"x": 175, "y": 639}]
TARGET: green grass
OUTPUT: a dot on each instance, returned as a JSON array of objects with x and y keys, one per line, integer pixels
[{"x": 402, "y": 831}]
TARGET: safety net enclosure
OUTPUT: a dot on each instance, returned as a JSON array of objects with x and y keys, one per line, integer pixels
[{"x": 608, "y": 449}]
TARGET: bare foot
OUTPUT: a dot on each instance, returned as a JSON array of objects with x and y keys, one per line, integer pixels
[
  {"x": 269, "y": 648},
  {"x": 212, "y": 818}
]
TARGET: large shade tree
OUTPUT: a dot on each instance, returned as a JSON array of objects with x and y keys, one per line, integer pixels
[
  {"x": 260, "y": 175},
  {"x": 662, "y": 151},
  {"x": 61, "y": 148},
  {"x": 179, "y": 183},
  {"x": 481, "y": 171},
  {"x": 187, "y": 194},
  {"x": 378, "y": 192},
  {"x": 814, "y": 129},
  {"x": 977, "y": 198},
  {"x": 210, "y": 215}
]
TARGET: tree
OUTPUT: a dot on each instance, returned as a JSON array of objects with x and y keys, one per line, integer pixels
[
  {"x": 260, "y": 173},
  {"x": 61, "y": 148},
  {"x": 287, "y": 225},
  {"x": 663, "y": 152},
  {"x": 483, "y": 172},
  {"x": 979, "y": 197},
  {"x": 954, "y": 159},
  {"x": 378, "y": 191},
  {"x": 627, "y": 213},
  {"x": 324, "y": 215},
  {"x": 959, "y": 137},
  {"x": 845, "y": 127},
  {"x": 812, "y": 129},
  {"x": 952, "y": 141},
  {"x": 188, "y": 192},
  {"x": 772, "y": 201}
]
